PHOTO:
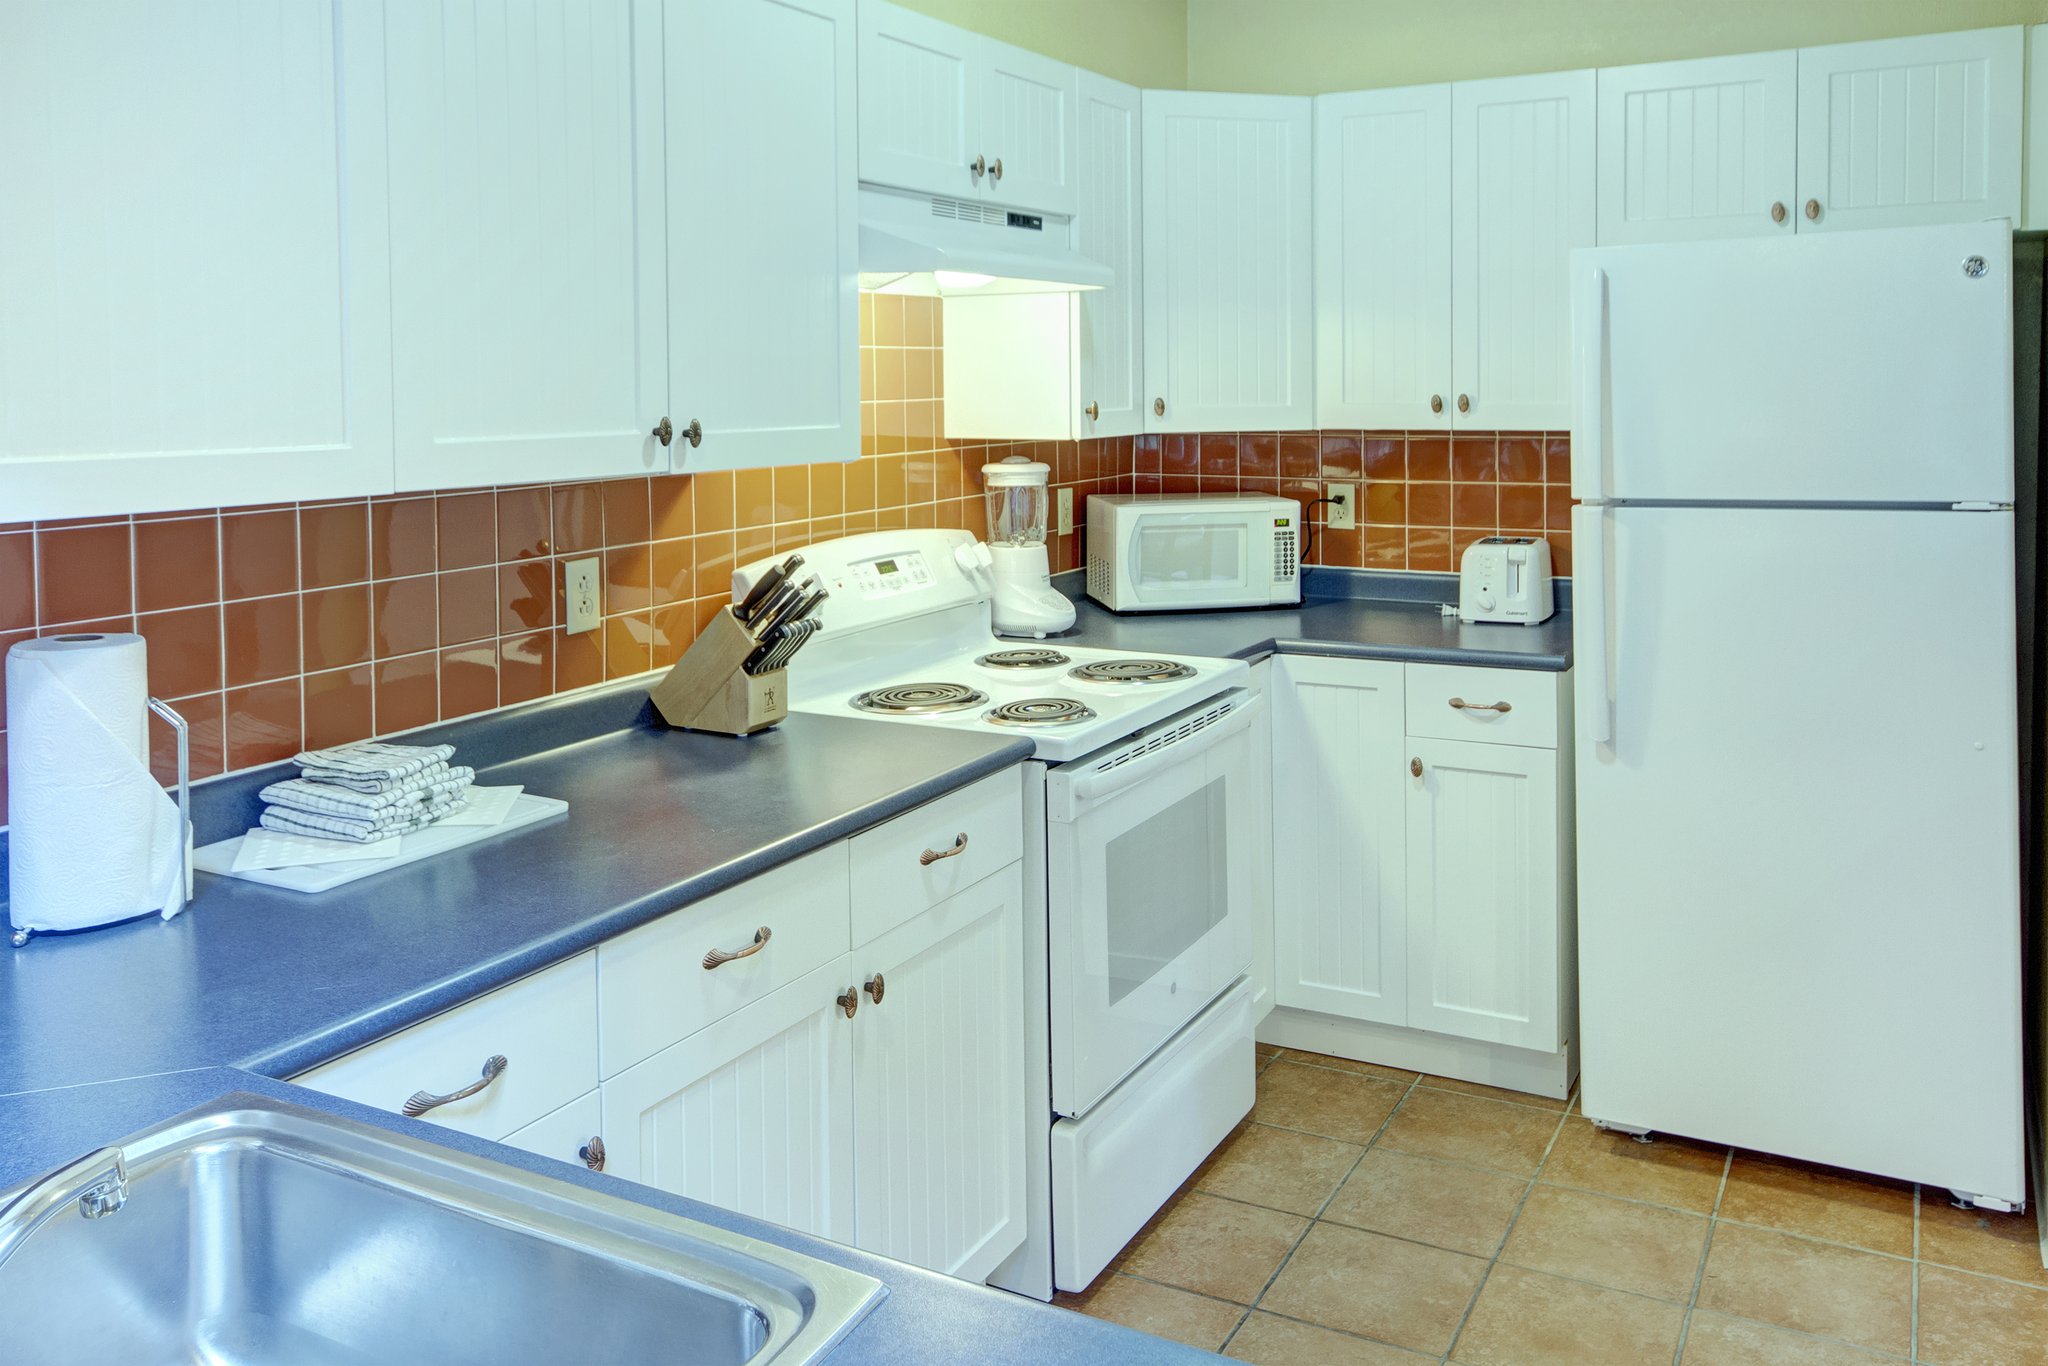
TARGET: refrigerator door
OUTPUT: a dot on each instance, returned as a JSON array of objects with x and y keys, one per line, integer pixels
[
  {"x": 1798, "y": 857},
  {"x": 1865, "y": 367}
]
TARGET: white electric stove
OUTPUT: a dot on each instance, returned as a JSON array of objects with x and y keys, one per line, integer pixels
[{"x": 1140, "y": 803}]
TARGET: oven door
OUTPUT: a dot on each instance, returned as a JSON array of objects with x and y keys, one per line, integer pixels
[
  {"x": 1198, "y": 559},
  {"x": 1149, "y": 859}
]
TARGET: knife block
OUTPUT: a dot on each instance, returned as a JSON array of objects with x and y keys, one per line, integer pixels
[{"x": 708, "y": 690}]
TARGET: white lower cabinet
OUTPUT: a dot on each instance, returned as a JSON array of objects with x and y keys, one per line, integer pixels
[
  {"x": 1422, "y": 862},
  {"x": 938, "y": 1072},
  {"x": 574, "y": 1133},
  {"x": 753, "y": 1113}
]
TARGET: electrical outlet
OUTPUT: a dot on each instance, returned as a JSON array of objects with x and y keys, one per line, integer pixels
[
  {"x": 1343, "y": 507},
  {"x": 1066, "y": 502},
  {"x": 581, "y": 592}
]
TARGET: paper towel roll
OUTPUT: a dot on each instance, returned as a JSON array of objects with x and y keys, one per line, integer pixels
[{"x": 92, "y": 837}]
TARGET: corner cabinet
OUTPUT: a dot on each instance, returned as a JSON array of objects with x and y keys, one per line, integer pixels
[
  {"x": 197, "y": 296},
  {"x": 1422, "y": 839},
  {"x": 1109, "y": 324},
  {"x": 1229, "y": 312}
]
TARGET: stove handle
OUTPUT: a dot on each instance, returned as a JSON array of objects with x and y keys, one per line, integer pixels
[{"x": 1090, "y": 786}]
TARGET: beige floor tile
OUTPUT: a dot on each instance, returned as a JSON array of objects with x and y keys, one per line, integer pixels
[
  {"x": 1273, "y": 1341},
  {"x": 1367, "y": 1069},
  {"x": 1266, "y": 1050},
  {"x": 1343, "y": 1105},
  {"x": 1524, "y": 1318},
  {"x": 1457, "y": 1207},
  {"x": 1278, "y": 1168},
  {"x": 1820, "y": 1202},
  {"x": 1834, "y": 1292},
  {"x": 1713, "y": 1339},
  {"x": 1485, "y": 1133},
  {"x": 1669, "y": 1171},
  {"x": 1376, "y": 1286},
  {"x": 2007, "y": 1245},
  {"x": 1975, "y": 1321},
  {"x": 1216, "y": 1247},
  {"x": 1473, "y": 1088},
  {"x": 1647, "y": 1249},
  {"x": 1157, "y": 1309}
]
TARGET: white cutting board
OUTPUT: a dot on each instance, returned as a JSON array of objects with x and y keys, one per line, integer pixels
[{"x": 527, "y": 809}]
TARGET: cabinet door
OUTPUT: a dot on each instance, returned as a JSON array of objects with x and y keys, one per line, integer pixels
[
  {"x": 527, "y": 275},
  {"x": 1521, "y": 199},
  {"x": 574, "y": 1133},
  {"x": 753, "y": 1113},
  {"x": 1904, "y": 131},
  {"x": 1110, "y": 322},
  {"x": 1383, "y": 258},
  {"x": 1339, "y": 933},
  {"x": 1483, "y": 892},
  {"x": 938, "y": 1064},
  {"x": 1028, "y": 132},
  {"x": 920, "y": 116},
  {"x": 1698, "y": 149},
  {"x": 1229, "y": 326},
  {"x": 763, "y": 309},
  {"x": 1261, "y": 918},
  {"x": 194, "y": 283}
]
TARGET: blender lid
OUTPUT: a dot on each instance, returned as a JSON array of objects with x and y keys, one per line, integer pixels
[{"x": 1016, "y": 472}]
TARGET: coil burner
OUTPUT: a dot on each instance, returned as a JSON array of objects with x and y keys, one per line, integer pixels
[
  {"x": 1040, "y": 711},
  {"x": 1131, "y": 671},
  {"x": 919, "y": 699},
  {"x": 1028, "y": 658}
]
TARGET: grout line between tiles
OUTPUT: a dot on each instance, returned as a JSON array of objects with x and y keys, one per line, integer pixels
[
  {"x": 1501, "y": 1244},
  {"x": 1699, "y": 1276},
  {"x": 1913, "y": 1344}
]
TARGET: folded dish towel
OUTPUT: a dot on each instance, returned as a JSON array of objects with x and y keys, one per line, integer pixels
[
  {"x": 371, "y": 766},
  {"x": 333, "y": 799},
  {"x": 402, "y": 819}
]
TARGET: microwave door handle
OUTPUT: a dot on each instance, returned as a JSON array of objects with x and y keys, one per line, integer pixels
[{"x": 1092, "y": 786}]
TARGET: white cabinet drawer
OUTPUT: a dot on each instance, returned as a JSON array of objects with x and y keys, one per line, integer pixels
[
  {"x": 923, "y": 856},
  {"x": 544, "y": 1025},
  {"x": 567, "y": 1133},
  {"x": 1504, "y": 706},
  {"x": 657, "y": 989}
]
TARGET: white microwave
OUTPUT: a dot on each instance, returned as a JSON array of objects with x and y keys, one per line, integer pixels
[{"x": 1171, "y": 552}]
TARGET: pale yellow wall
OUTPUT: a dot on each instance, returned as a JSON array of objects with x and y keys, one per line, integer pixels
[
  {"x": 1144, "y": 42},
  {"x": 1306, "y": 47}
]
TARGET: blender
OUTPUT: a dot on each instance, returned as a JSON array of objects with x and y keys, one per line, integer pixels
[{"x": 1026, "y": 603}]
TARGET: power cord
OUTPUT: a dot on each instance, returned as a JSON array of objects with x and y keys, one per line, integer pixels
[{"x": 1308, "y": 517}]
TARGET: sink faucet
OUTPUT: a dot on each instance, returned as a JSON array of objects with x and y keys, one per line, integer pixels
[{"x": 98, "y": 1182}]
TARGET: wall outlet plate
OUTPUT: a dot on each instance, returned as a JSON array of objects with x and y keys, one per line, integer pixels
[
  {"x": 1066, "y": 511},
  {"x": 581, "y": 591},
  {"x": 1342, "y": 507}
]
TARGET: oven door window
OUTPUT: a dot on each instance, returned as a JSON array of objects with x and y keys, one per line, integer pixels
[{"x": 1169, "y": 885}]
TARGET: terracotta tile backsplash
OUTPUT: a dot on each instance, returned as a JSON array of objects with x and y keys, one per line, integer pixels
[{"x": 289, "y": 626}]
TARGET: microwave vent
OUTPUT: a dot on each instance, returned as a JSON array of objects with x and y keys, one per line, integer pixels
[
  {"x": 1283, "y": 554},
  {"x": 1098, "y": 578},
  {"x": 964, "y": 211}
]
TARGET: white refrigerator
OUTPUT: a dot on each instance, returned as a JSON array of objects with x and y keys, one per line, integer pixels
[{"x": 1796, "y": 755}]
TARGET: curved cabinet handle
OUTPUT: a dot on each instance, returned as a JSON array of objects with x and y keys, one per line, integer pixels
[
  {"x": 592, "y": 1153},
  {"x": 874, "y": 987},
  {"x": 1460, "y": 704},
  {"x": 929, "y": 857},
  {"x": 849, "y": 1001},
  {"x": 718, "y": 956},
  {"x": 419, "y": 1102}
]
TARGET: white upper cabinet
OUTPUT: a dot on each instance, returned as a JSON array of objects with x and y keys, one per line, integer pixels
[
  {"x": 1906, "y": 131},
  {"x": 948, "y": 112},
  {"x": 527, "y": 264},
  {"x": 763, "y": 233},
  {"x": 1699, "y": 149},
  {"x": 1383, "y": 258},
  {"x": 194, "y": 282},
  {"x": 1229, "y": 321},
  {"x": 1521, "y": 200},
  {"x": 1110, "y": 323}
]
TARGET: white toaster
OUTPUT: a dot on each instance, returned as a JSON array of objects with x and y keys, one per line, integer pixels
[{"x": 1506, "y": 578}]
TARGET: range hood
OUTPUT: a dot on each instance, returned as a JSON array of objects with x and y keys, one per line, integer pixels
[{"x": 934, "y": 245}]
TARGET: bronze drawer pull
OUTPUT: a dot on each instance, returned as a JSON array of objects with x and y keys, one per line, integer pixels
[
  {"x": 718, "y": 956},
  {"x": 419, "y": 1102},
  {"x": 928, "y": 857},
  {"x": 1462, "y": 705}
]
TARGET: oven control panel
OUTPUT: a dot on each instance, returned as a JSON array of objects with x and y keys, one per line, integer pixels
[
  {"x": 878, "y": 577},
  {"x": 885, "y": 576}
]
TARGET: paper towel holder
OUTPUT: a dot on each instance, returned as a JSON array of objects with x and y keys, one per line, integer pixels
[{"x": 183, "y": 730}]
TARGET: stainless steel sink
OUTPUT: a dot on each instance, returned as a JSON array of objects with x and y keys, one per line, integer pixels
[{"x": 253, "y": 1231}]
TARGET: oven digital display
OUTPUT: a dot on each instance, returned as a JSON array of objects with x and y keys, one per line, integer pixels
[{"x": 885, "y": 566}]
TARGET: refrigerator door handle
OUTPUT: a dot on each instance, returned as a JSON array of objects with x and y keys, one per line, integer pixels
[
  {"x": 1589, "y": 616},
  {"x": 1589, "y": 442}
]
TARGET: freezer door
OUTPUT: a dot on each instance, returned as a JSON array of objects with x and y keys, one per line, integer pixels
[
  {"x": 1865, "y": 367},
  {"x": 1798, "y": 834}
]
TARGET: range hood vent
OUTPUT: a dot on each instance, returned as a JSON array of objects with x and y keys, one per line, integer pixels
[{"x": 938, "y": 245}]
